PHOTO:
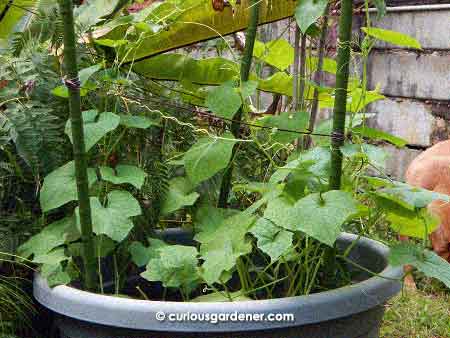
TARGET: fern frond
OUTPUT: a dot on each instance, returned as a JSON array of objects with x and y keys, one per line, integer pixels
[{"x": 36, "y": 134}]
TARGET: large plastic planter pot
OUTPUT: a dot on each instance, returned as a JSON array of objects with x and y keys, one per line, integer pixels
[{"x": 354, "y": 311}]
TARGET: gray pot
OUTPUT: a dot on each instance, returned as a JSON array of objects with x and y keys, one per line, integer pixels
[{"x": 354, "y": 311}]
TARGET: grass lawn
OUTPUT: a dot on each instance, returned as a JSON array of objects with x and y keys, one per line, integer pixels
[{"x": 418, "y": 314}]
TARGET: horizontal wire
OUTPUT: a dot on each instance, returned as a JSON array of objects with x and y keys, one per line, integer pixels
[{"x": 305, "y": 132}]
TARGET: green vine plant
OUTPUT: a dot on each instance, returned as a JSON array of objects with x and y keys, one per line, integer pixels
[{"x": 162, "y": 133}]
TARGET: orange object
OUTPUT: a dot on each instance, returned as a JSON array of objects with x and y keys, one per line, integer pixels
[{"x": 431, "y": 170}]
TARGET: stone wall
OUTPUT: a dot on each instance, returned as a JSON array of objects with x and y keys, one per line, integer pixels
[{"x": 416, "y": 84}]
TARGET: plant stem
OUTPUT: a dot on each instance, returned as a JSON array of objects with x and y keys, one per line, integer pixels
[
  {"x": 340, "y": 102},
  {"x": 246, "y": 63},
  {"x": 318, "y": 78},
  {"x": 295, "y": 71},
  {"x": 79, "y": 149},
  {"x": 301, "y": 89}
]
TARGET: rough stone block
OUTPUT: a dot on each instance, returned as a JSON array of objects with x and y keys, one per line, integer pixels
[
  {"x": 407, "y": 74},
  {"x": 408, "y": 119},
  {"x": 425, "y": 26},
  {"x": 399, "y": 161}
]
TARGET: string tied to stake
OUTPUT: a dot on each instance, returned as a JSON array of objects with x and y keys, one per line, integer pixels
[
  {"x": 337, "y": 137},
  {"x": 73, "y": 84}
]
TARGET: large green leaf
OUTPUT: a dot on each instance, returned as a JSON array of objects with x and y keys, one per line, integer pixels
[
  {"x": 141, "y": 255},
  {"x": 308, "y": 11},
  {"x": 113, "y": 220},
  {"x": 180, "y": 67},
  {"x": 208, "y": 219},
  {"x": 319, "y": 216},
  {"x": 393, "y": 37},
  {"x": 95, "y": 126},
  {"x": 357, "y": 99},
  {"x": 209, "y": 71},
  {"x": 124, "y": 174},
  {"x": 111, "y": 43},
  {"x": 329, "y": 65},
  {"x": 280, "y": 83},
  {"x": 60, "y": 186},
  {"x": 424, "y": 260},
  {"x": 296, "y": 121},
  {"x": 51, "y": 269},
  {"x": 207, "y": 157},
  {"x": 180, "y": 194},
  {"x": 410, "y": 197},
  {"x": 194, "y": 21},
  {"x": 175, "y": 267},
  {"x": 52, "y": 236},
  {"x": 272, "y": 240},
  {"x": 409, "y": 223},
  {"x": 221, "y": 247},
  {"x": 278, "y": 53},
  {"x": 224, "y": 101},
  {"x": 316, "y": 161},
  {"x": 91, "y": 12}
]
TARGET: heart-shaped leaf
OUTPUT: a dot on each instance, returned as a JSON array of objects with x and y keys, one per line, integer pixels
[
  {"x": 224, "y": 100},
  {"x": 113, "y": 220},
  {"x": 272, "y": 240},
  {"x": 319, "y": 216},
  {"x": 124, "y": 174},
  {"x": 95, "y": 129},
  {"x": 141, "y": 255},
  {"x": 179, "y": 195},
  {"x": 60, "y": 187},
  {"x": 175, "y": 267},
  {"x": 278, "y": 53},
  {"x": 208, "y": 156},
  {"x": 308, "y": 11},
  {"x": 221, "y": 247}
]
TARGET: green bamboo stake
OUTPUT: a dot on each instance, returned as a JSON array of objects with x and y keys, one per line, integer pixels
[
  {"x": 79, "y": 149},
  {"x": 340, "y": 102},
  {"x": 246, "y": 64},
  {"x": 318, "y": 78}
]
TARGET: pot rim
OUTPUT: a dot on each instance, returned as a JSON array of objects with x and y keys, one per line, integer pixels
[{"x": 142, "y": 314}]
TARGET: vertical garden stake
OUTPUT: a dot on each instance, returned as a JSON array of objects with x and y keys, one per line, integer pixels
[
  {"x": 340, "y": 102},
  {"x": 246, "y": 64},
  {"x": 79, "y": 150},
  {"x": 318, "y": 75},
  {"x": 339, "y": 112}
]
